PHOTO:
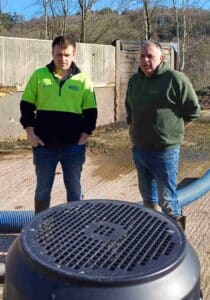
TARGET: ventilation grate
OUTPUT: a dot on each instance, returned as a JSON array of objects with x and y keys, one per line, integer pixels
[{"x": 103, "y": 239}]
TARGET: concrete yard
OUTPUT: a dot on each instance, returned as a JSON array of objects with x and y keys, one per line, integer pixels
[{"x": 108, "y": 174}]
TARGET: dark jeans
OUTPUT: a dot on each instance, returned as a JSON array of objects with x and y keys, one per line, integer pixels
[
  {"x": 157, "y": 175},
  {"x": 46, "y": 159}
]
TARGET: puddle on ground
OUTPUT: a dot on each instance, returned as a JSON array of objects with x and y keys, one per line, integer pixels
[
  {"x": 194, "y": 155},
  {"x": 14, "y": 154},
  {"x": 110, "y": 167},
  {"x": 110, "y": 152}
]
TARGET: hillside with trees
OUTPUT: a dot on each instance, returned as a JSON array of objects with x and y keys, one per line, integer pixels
[{"x": 187, "y": 25}]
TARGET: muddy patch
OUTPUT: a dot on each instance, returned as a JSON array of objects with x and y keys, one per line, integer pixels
[
  {"x": 13, "y": 149},
  {"x": 110, "y": 149},
  {"x": 194, "y": 156},
  {"x": 110, "y": 167}
]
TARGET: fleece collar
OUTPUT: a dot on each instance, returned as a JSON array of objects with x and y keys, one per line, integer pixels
[
  {"x": 161, "y": 69},
  {"x": 72, "y": 71}
]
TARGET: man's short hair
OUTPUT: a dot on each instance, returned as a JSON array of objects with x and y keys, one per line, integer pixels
[
  {"x": 151, "y": 42},
  {"x": 64, "y": 41}
]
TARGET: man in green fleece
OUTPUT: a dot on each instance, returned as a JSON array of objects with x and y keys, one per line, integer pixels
[
  {"x": 160, "y": 103},
  {"x": 58, "y": 112}
]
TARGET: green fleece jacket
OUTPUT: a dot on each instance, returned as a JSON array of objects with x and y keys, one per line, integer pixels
[{"x": 158, "y": 106}]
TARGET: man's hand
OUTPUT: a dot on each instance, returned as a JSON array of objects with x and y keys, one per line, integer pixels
[
  {"x": 33, "y": 138},
  {"x": 186, "y": 124},
  {"x": 83, "y": 138}
]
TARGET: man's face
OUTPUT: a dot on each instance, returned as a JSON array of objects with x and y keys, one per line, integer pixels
[
  {"x": 63, "y": 57},
  {"x": 150, "y": 58}
]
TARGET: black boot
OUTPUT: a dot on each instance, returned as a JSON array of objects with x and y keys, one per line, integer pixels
[
  {"x": 2, "y": 272},
  {"x": 155, "y": 207},
  {"x": 41, "y": 205},
  {"x": 181, "y": 221}
]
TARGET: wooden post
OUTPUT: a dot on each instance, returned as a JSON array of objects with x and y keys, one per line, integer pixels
[{"x": 117, "y": 80}]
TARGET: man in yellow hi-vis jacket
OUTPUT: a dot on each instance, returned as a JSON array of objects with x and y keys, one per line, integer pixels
[{"x": 58, "y": 112}]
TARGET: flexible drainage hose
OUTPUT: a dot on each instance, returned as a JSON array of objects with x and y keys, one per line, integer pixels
[
  {"x": 13, "y": 221},
  {"x": 194, "y": 190}
]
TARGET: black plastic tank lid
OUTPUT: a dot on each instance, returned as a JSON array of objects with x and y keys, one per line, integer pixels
[{"x": 107, "y": 241}]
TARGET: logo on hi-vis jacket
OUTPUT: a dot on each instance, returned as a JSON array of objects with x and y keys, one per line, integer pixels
[
  {"x": 44, "y": 85},
  {"x": 47, "y": 83},
  {"x": 73, "y": 87}
]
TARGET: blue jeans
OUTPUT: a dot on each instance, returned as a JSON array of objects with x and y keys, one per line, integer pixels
[
  {"x": 157, "y": 175},
  {"x": 46, "y": 159}
]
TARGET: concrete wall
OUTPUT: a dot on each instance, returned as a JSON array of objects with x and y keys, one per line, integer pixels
[
  {"x": 20, "y": 57},
  {"x": 98, "y": 61},
  {"x": 109, "y": 68},
  {"x": 10, "y": 127}
]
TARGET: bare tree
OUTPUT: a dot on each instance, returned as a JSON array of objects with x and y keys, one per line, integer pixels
[
  {"x": 181, "y": 31},
  {"x": 85, "y": 9},
  {"x": 64, "y": 6},
  {"x": 53, "y": 23},
  {"x": 55, "y": 15},
  {"x": 148, "y": 13},
  {"x": 150, "y": 8},
  {"x": 184, "y": 29},
  {"x": 45, "y": 6}
]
